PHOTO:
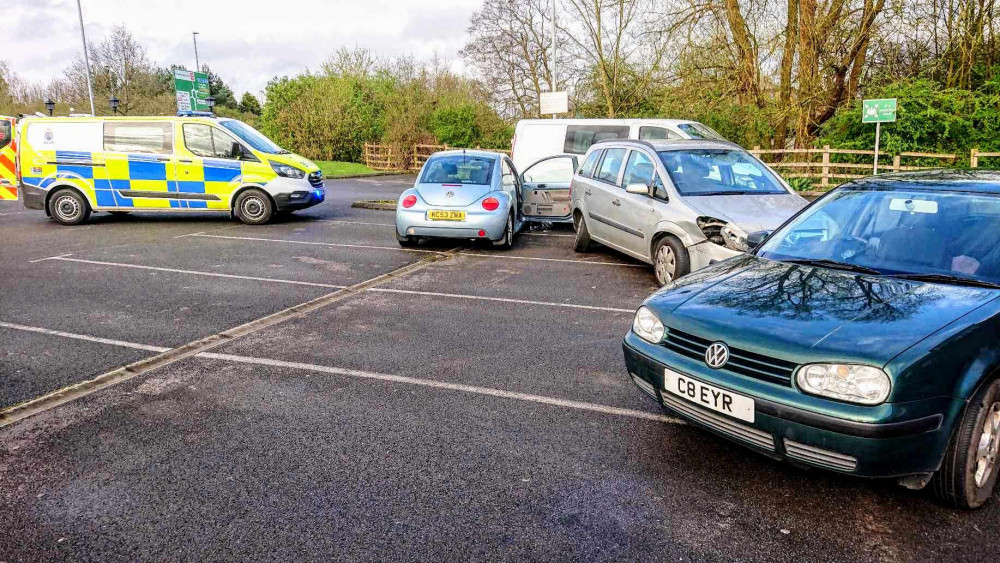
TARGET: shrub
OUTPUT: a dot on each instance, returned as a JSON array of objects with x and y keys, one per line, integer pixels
[{"x": 928, "y": 119}]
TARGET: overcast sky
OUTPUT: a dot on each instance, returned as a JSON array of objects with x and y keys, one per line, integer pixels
[{"x": 245, "y": 41}]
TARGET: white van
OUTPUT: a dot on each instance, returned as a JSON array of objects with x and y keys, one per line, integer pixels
[{"x": 535, "y": 139}]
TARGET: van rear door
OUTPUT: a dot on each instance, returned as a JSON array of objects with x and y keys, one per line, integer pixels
[
  {"x": 545, "y": 188},
  {"x": 8, "y": 157}
]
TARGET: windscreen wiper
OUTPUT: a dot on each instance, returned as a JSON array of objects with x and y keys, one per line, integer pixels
[
  {"x": 834, "y": 265},
  {"x": 948, "y": 279}
]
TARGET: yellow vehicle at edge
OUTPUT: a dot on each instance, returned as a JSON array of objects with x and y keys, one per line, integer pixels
[
  {"x": 73, "y": 166},
  {"x": 8, "y": 150}
]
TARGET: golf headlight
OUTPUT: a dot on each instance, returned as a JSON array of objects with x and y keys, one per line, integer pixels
[
  {"x": 853, "y": 383},
  {"x": 287, "y": 171},
  {"x": 646, "y": 326},
  {"x": 735, "y": 237}
]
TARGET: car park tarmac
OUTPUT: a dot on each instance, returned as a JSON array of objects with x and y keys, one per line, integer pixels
[{"x": 449, "y": 401}]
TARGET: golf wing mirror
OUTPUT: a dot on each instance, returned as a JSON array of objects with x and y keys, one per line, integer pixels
[
  {"x": 642, "y": 189},
  {"x": 755, "y": 238}
]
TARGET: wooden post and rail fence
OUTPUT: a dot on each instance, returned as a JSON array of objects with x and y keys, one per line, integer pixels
[
  {"x": 393, "y": 158},
  {"x": 824, "y": 167}
]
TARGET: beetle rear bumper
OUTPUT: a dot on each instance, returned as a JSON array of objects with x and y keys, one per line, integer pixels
[
  {"x": 415, "y": 223},
  {"x": 903, "y": 445}
]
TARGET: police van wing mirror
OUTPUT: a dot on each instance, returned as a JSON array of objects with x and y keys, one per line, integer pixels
[{"x": 237, "y": 151}]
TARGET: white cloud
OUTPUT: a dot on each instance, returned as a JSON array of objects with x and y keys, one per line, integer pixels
[{"x": 247, "y": 42}]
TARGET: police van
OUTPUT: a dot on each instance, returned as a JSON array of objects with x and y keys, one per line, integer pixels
[{"x": 73, "y": 166}]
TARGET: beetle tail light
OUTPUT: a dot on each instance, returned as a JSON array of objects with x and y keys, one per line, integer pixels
[
  {"x": 491, "y": 204},
  {"x": 409, "y": 201}
]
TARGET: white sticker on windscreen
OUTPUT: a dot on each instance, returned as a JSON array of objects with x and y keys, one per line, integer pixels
[{"x": 913, "y": 205}]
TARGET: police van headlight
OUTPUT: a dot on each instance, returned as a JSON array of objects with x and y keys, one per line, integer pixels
[{"x": 287, "y": 171}]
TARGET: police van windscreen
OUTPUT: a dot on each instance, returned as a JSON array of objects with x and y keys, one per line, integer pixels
[{"x": 252, "y": 137}]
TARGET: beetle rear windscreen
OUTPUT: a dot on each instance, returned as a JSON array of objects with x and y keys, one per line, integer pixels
[{"x": 458, "y": 169}]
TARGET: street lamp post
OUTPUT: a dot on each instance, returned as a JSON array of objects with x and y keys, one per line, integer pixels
[
  {"x": 50, "y": 105},
  {"x": 197, "y": 64},
  {"x": 86, "y": 58},
  {"x": 113, "y": 102}
]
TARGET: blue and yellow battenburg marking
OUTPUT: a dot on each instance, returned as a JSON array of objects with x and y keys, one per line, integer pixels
[{"x": 137, "y": 180}]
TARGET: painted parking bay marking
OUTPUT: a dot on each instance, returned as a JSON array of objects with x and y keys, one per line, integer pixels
[
  {"x": 357, "y": 374},
  {"x": 66, "y": 258},
  {"x": 396, "y": 248},
  {"x": 306, "y": 242}
]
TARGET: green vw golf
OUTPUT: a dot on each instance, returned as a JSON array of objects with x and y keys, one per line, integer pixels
[{"x": 863, "y": 336}]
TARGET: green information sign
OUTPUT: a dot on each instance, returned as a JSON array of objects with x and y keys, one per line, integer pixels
[
  {"x": 878, "y": 111},
  {"x": 192, "y": 90}
]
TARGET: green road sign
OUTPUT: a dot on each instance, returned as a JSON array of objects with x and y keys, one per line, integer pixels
[
  {"x": 878, "y": 111},
  {"x": 192, "y": 90}
]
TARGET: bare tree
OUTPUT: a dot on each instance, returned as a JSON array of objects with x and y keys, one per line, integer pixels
[
  {"x": 509, "y": 50},
  {"x": 623, "y": 46}
]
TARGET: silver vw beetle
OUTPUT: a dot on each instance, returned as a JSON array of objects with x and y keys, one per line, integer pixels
[{"x": 462, "y": 194}]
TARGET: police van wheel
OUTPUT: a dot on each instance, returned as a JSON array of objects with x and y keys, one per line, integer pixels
[
  {"x": 254, "y": 207},
  {"x": 68, "y": 207}
]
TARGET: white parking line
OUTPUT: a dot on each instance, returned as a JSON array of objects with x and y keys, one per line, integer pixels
[
  {"x": 500, "y": 299},
  {"x": 315, "y": 368},
  {"x": 356, "y": 223},
  {"x": 64, "y": 258},
  {"x": 567, "y": 260},
  {"x": 389, "y": 225},
  {"x": 330, "y": 244},
  {"x": 76, "y": 336},
  {"x": 49, "y": 258},
  {"x": 190, "y": 272},
  {"x": 489, "y": 391}
]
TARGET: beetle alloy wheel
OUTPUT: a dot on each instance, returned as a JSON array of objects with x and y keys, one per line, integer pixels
[
  {"x": 989, "y": 444},
  {"x": 666, "y": 264},
  {"x": 253, "y": 207},
  {"x": 67, "y": 208}
]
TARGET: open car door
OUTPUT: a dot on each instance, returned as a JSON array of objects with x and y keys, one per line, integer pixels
[
  {"x": 545, "y": 188},
  {"x": 8, "y": 155}
]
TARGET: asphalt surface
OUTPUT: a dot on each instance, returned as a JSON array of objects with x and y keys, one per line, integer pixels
[{"x": 475, "y": 408}]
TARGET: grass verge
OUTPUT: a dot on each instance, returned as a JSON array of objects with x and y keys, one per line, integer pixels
[{"x": 335, "y": 169}]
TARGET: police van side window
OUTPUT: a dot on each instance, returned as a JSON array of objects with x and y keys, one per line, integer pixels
[
  {"x": 138, "y": 137},
  {"x": 198, "y": 140},
  {"x": 207, "y": 141},
  {"x": 223, "y": 143}
]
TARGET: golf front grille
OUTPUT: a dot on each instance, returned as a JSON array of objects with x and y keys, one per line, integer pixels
[
  {"x": 721, "y": 423},
  {"x": 820, "y": 457},
  {"x": 741, "y": 362}
]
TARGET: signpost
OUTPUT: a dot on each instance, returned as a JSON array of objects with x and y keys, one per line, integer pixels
[
  {"x": 553, "y": 102},
  {"x": 878, "y": 112},
  {"x": 192, "y": 91}
]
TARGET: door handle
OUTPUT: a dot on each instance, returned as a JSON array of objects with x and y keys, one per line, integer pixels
[
  {"x": 616, "y": 203},
  {"x": 185, "y": 161},
  {"x": 540, "y": 186}
]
